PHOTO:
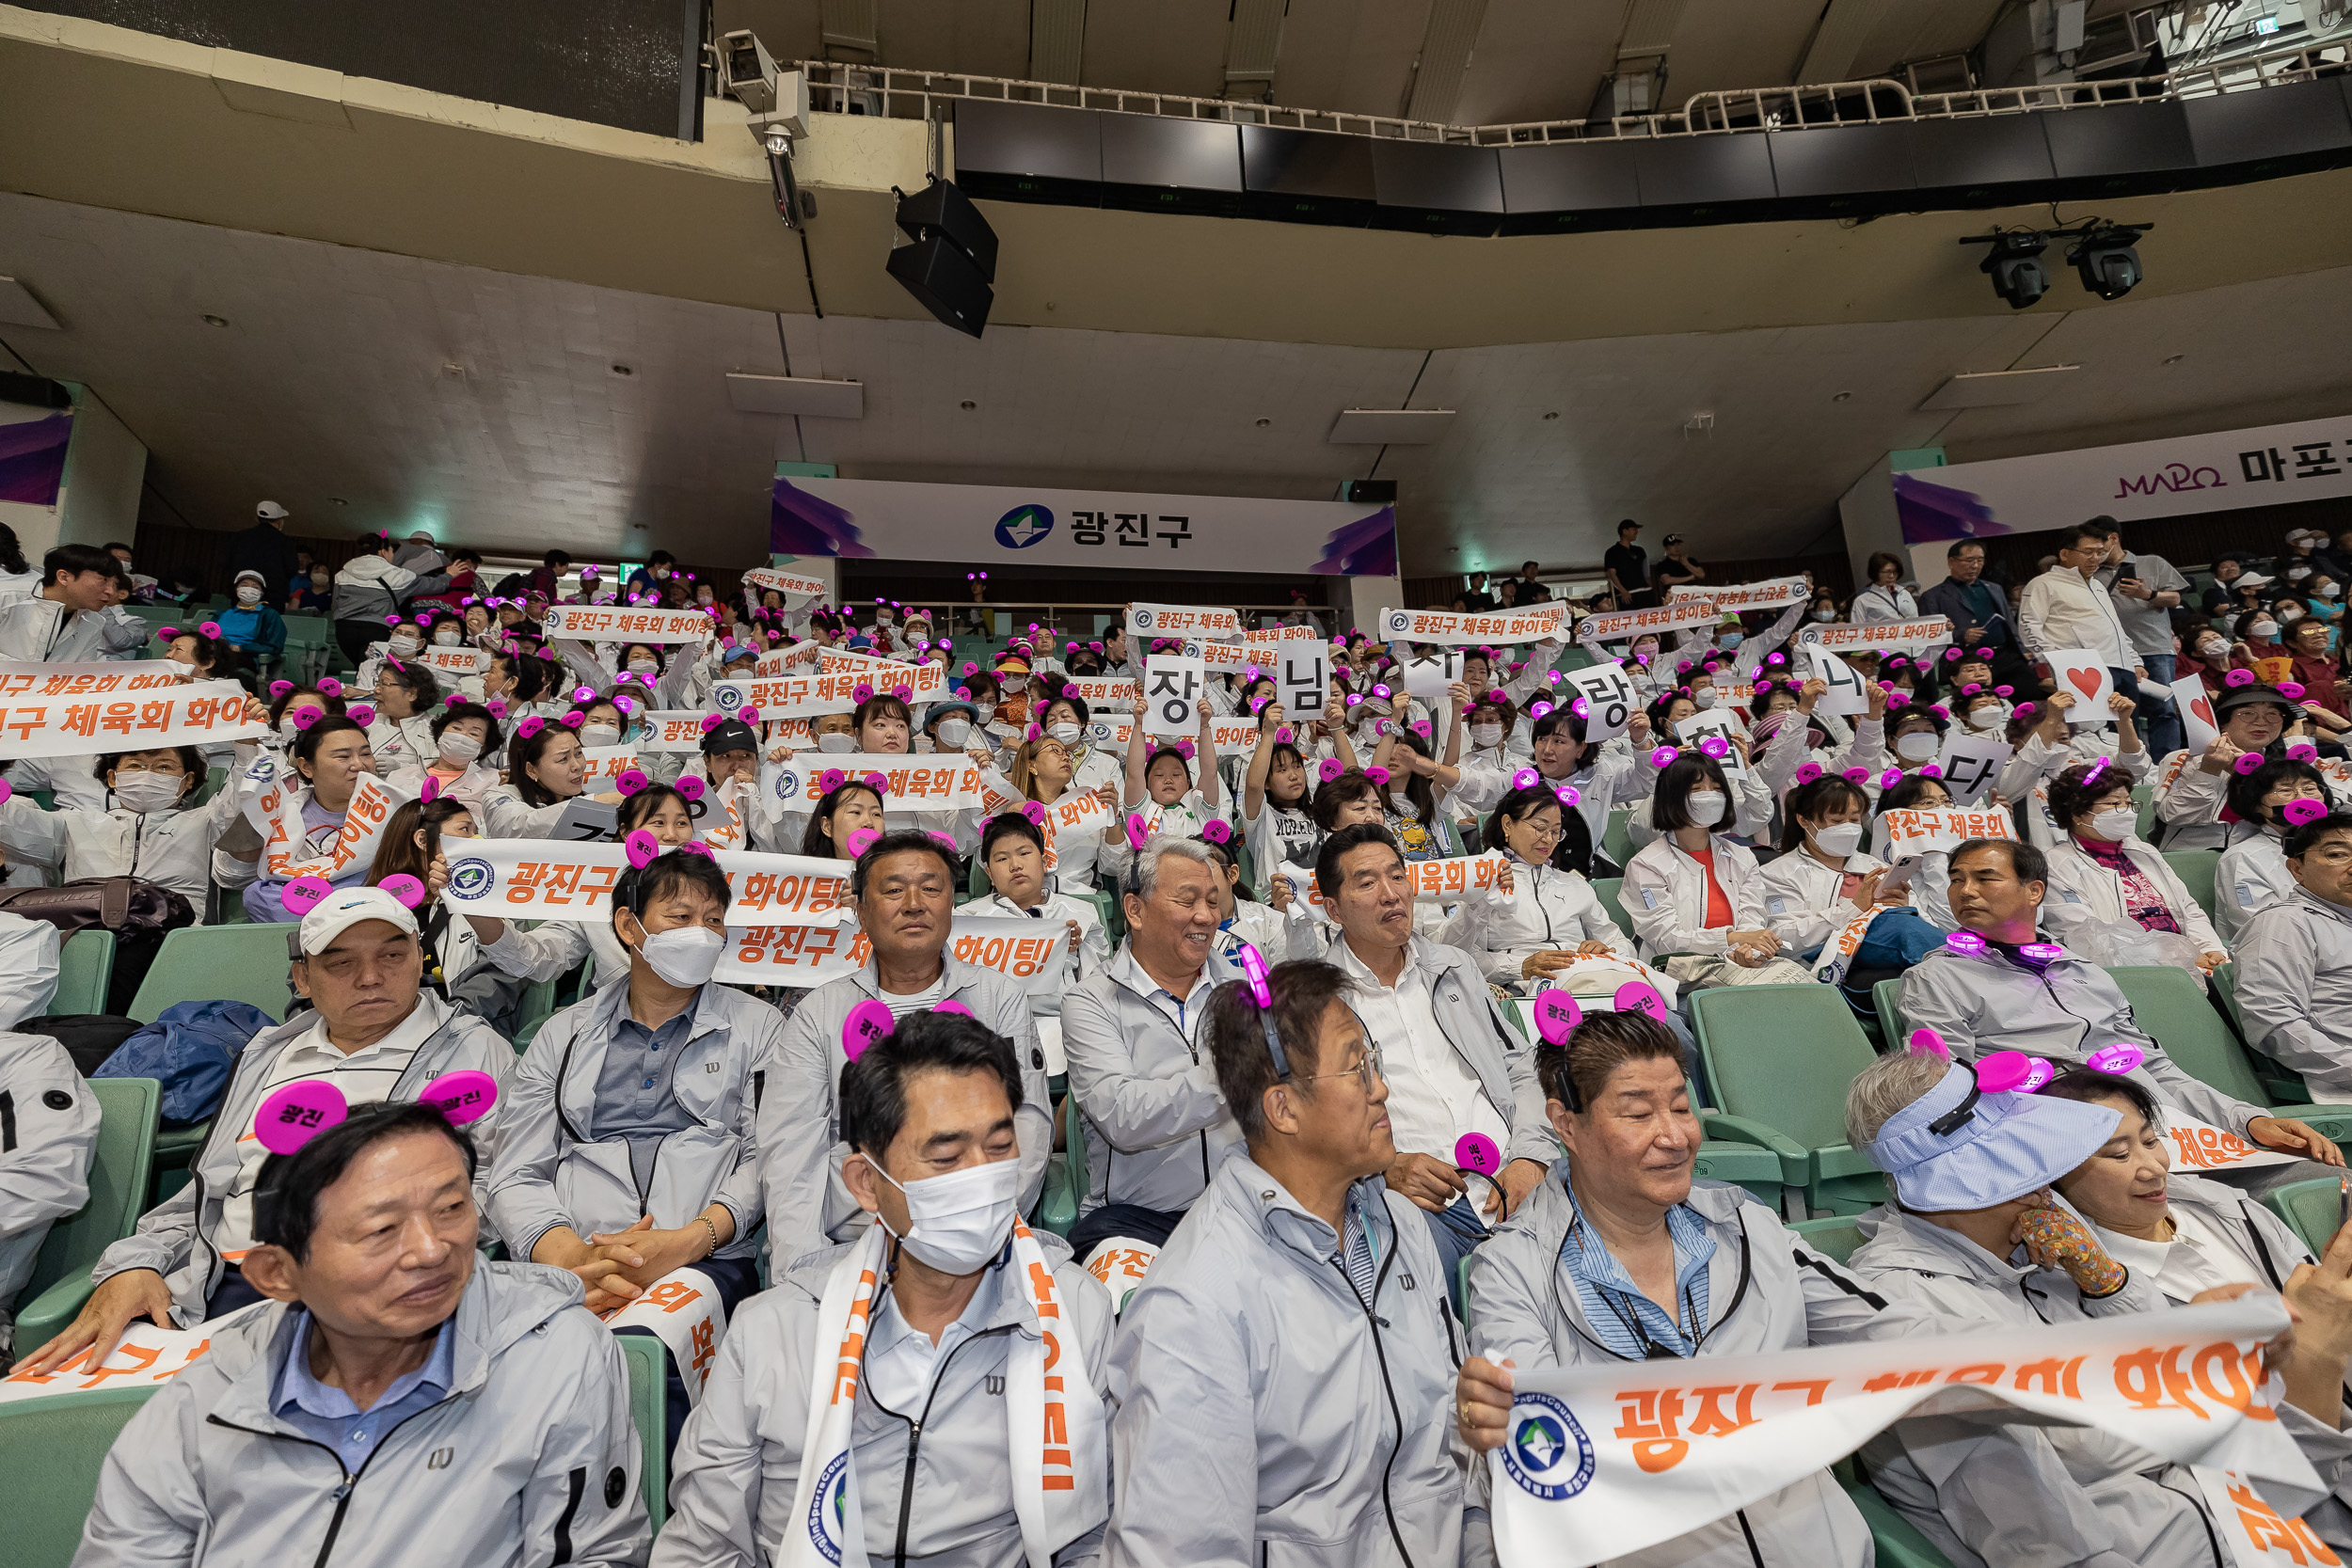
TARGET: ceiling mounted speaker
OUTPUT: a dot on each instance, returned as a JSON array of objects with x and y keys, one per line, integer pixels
[{"x": 944, "y": 278}]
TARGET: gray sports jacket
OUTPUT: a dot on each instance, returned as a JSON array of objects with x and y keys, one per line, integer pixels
[
  {"x": 48, "y": 1126},
  {"x": 1155, "y": 1121},
  {"x": 934, "y": 1483},
  {"x": 550, "y": 1171},
  {"x": 1981, "y": 1003},
  {"x": 799, "y": 1104},
  {"x": 1268, "y": 1415},
  {"x": 175, "y": 1238},
  {"x": 2294, "y": 979},
  {"x": 531, "y": 1460},
  {"x": 1767, "y": 1292}
]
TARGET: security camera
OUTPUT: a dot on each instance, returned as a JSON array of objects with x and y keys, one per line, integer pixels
[{"x": 751, "y": 71}]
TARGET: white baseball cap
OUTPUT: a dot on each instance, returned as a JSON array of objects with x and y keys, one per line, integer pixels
[
  {"x": 270, "y": 510},
  {"x": 340, "y": 911}
]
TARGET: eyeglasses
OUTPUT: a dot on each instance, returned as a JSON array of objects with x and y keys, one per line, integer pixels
[
  {"x": 1539, "y": 830},
  {"x": 1366, "y": 1072}
]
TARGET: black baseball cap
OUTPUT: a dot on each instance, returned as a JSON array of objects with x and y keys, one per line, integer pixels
[{"x": 731, "y": 735}]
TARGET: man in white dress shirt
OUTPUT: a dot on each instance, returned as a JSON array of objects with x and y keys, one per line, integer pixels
[
  {"x": 2067, "y": 608},
  {"x": 1454, "y": 1066}
]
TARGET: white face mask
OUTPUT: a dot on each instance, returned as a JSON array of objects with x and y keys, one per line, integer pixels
[
  {"x": 1727, "y": 640},
  {"x": 1014, "y": 683},
  {"x": 837, "y": 740},
  {"x": 148, "y": 790},
  {"x": 684, "y": 955},
  {"x": 1066, "y": 733},
  {"x": 1989, "y": 717},
  {"x": 595, "y": 735},
  {"x": 2115, "y": 826},
  {"x": 2263, "y": 631},
  {"x": 1487, "y": 735},
  {"x": 248, "y": 593},
  {"x": 2289, "y": 614},
  {"x": 445, "y": 637},
  {"x": 2329, "y": 590},
  {"x": 643, "y": 666},
  {"x": 1704, "y": 698},
  {"x": 1706, "y": 808},
  {"x": 1918, "y": 746},
  {"x": 456, "y": 747},
  {"x": 953, "y": 732},
  {"x": 1643, "y": 650},
  {"x": 958, "y": 1223},
  {"x": 404, "y": 643},
  {"x": 1825, "y": 615},
  {"x": 2212, "y": 653},
  {"x": 1839, "y": 840}
]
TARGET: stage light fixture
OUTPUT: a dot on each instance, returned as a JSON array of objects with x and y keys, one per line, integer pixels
[
  {"x": 2014, "y": 264},
  {"x": 2105, "y": 259}
]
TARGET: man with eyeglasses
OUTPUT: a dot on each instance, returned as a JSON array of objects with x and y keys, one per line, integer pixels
[
  {"x": 1283, "y": 1375},
  {"x": 2295, "y": 961},
  {"x": 1456, "y": 1068}
]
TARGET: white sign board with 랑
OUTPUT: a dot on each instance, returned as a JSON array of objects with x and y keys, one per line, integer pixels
[{"x": 1609, "y": 699}]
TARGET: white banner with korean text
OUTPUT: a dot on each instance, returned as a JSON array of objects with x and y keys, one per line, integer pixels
[
  {"x": 48, "y": 710},
  {"x": 1601, "y": 1461}
]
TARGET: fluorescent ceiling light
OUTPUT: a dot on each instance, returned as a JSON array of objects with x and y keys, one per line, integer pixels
[
  {"x": 1391, "y": 427},
  {"x": 792, "y": 394}
]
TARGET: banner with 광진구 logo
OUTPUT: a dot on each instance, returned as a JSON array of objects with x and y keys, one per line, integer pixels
[
  {"x": 928, "y": 781},
  {"x": 1603, "y": 1459},
  {"x": 1113, "y": 530}
]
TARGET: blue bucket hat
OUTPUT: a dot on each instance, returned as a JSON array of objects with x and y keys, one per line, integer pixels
[{"x": 1957, "y": 1147}]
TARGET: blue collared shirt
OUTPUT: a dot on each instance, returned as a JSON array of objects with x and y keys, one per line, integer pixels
[
  {"x": 325, "y": 1414},
  {"x": 1619, "y": 1315}
]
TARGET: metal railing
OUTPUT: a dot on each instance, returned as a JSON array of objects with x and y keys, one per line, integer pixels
[{"x": 838, "y": 87}]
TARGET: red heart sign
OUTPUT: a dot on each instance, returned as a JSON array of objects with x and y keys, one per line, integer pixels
[
  {"x": 2202, "y": 707},
  {"x": 2084, "y": 681}
]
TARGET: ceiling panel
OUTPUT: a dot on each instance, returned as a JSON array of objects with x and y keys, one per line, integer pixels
[
  {"x": 1352, "y": 56},
  {"x": 332, "y": 380},
  {"x": 979, "y": 37},
  {"x": 1157, "y": 45},
  {"x": 1738, "y": 43},
  {"x": 1921, "y": 30},
  {"x": 1538, "y": 60}
]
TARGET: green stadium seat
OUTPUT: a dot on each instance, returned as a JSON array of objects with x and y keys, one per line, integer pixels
[
  {"x": 85, "y": 966},
  {"x": 2144, "y": 802},
  {"x": 1616, "y": 841},
  {"x": 2310, "y": 1208},
  {"x": 2284, "y": 1086},
  {"x": 1779, "y": 1059},
  {"x": 218, "y": 963},
  {"x": 1606, "y": 889},
  {"x": 649, "y": 1408},
  {"x": 539, "y": 1004},
  {"x": 2171, "y": 1007},
  {"x": 1887, "y": 996},
  {"x": 1837, "y": 1236},
  {"x": 1065, "y": 1175},
  {"x": 2195, "y": 868},
  {"x": 55, "y": 1447},
  {"x": 1742, "y": 1164},
  {"x": 1899, "y": 1541},
  {"x": 127, "y": 1108},
  {"x": 213, "y": 780}
]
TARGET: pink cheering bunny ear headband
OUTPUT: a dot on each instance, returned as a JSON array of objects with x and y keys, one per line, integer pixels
[
  {"x": 1715, "y": 746},
  {"x": 692, "y": 786},
  {"x": 1569, "y": 796},
  {"x": 830, "y": 780},
  {"x": 1662, "y": 755},
  {"x": 861, "y": 841},
  {"x": 1035, "y": 812},
  {"x": 529, "y": 727},
  {"x": 1378, "y": 775},
  {"x": 403, "y": 887},
  {"x": 1217, "y": 831},
  {"x": 2247, "y": 762},
  {"x": 573, "y": 720},
  {"x": 1808, "y": 772},
  {"x": 644, "y": 848},
  {"x": 1137, "y": 832},
  {"x": 1329, "y": 768},
  {"x": 362, "y": 714},
  {"x": 300, "y": 1111},
  {"x": 2303, "y": 809},
  {"x": 1526, "y": 778},
  {"x": 2239, "y": 677}
]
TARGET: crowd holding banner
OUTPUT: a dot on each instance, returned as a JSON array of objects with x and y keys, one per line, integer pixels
[{"x": 1319, "y": 1010}]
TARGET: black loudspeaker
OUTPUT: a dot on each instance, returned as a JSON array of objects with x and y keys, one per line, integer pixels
[
  {"x": 944, "y": 278},
  {"x": 938, "y": 207}
]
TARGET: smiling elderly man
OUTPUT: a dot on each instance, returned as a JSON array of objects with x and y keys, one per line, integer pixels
[
  {"x": 397, "y": 1401},
  {"x": 903, "y": 889},
  {"x": 1155, "y": 1123},
  {"x": 376, "y": 1036},
  {"x": 2006, "y": 991}
]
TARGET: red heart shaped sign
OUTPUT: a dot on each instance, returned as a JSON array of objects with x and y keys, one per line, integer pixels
[
  {"x": 2084, "y": 681},
  {"x": 2202, "y": 707}
]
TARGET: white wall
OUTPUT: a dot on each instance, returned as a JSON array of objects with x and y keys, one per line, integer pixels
[
  {"x": 98, "y": 501},
  {"x": 1368, "y": 596}
]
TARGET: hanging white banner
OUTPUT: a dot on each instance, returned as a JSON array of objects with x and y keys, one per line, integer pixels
[
  {"x": 1467, "y": 629},
  {"x": 790, "y": 586},
  {"x": 1886, "y": 637},
  {"x": 1779, "y": 593},
  {"x": 927, "y": 781},
  {"x": 1098, "y": 530},
  {"x": 1620, "y": 624},
  {"x": 2219, "y": 471},
  {"x": 1030, "y": 951},
  {"x": 1604, "y": 1460},
  {"x": 1183, "y": 620},
  {"x": 51, "y": 711},
  {"x": 1904, "y": 834},
  {"x": 541, "y": 878},
  {"x": 621, "y": 624}
]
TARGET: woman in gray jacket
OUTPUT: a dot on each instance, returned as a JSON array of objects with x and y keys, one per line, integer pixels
[{"x": 1555, "y": 1285}]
